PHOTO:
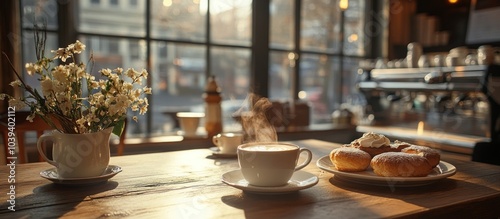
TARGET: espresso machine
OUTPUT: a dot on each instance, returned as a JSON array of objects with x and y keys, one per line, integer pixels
[{"x": 442, "y": 104}]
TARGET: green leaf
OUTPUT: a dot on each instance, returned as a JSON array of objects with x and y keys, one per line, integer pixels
[{"x": 118, "y": 128}]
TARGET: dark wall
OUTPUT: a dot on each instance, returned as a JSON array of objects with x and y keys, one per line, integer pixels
[{"x": 453, "y": 18}]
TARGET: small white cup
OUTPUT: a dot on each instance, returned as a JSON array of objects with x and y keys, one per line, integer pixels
[
  {"x": 439, "y": 60},
  {"x": 227, "y": 142},
  {"x": 189, "y": 122},
  {"x": 423, "y": 61},
  {"x": 485, "y": 55},
  {"x": 270, "y": 163}
]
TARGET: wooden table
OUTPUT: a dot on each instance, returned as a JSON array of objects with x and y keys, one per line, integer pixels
[{"x": 187, "y": 184}]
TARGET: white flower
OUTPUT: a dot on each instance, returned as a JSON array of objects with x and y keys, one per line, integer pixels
[
  {"x": 113, "y": 110},
  {"x": 47, "y": 86},
  {"x": 61, "y": 53},
  {"x": 119, "y": 70},
  {"x": 147, "y": 90},
  {"x": 81, "y": 121},
  {"x": 77, "y": 71},
  {"x": 16, "y": 83},
  {"x": 33, "y": 68},
  {"x": 82, "y": 124},
  {"x": 102, "y": 84},
  {"x": 16, "y": 103},
  {"x": 78, "y": 47},
  {"x": 131, "y": 73},
  {"x": 61, "y": 73},
  {"x": 2, "y": 96},
  {"x": 136, "y": 94},
  {"x": 97, "y": 98},
  {"x": 114, "y": 78},
  {"x": 30, "y": 117},
  {"x": 144, "y": 108},
  {"x": 94, "y": 84},
  {"x": 139, "y": 80},
  {"x": 105, "y": 72},
  {"x": 127, "y": 86},
  {"x": 59, "y": 87},
  {"x": 144, "y": 73}
]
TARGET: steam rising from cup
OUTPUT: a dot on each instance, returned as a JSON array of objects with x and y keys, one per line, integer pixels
[{"x": 256, "y": 125}]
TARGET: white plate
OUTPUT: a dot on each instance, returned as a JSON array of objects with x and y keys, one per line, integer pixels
[
  {"x": 441, "y": 171},
  {"x": 216, "y": 152},
  {"x": 52, "y": 175},
  {"x": 300, "y": 180}
]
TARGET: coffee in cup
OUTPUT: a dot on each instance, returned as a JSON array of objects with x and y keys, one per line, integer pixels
[
  {"x": 270, "y": 163},
  {"x": 227, "y": 142}
]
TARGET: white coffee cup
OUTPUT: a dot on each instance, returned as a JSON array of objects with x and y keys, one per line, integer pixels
[
  {"x": 227, "y": 142},
  {"x": 189, "y": 122},
  {"x": 270, "y": 163}
]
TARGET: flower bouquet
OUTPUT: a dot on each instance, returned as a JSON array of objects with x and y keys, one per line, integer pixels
[{"x": 74, "y": 101}]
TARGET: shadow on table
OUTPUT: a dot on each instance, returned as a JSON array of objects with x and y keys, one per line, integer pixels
[
  {"x": 53, "y": 200},
  {"x": 287, "y": 205},
  {"x": 392, "y": 188},
  {"x": 439, "y": 193}
]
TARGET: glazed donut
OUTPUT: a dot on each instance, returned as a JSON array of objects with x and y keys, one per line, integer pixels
[
  {"x": 430, "y": 154},
  {"x": 394, "y": 164},
  {"x": 349, "y": 159}
]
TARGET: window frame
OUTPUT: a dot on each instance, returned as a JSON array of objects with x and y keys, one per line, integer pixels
[{"x": 259, "y": 47}]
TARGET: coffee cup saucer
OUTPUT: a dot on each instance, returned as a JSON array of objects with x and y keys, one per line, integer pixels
[
  {"x": 300, "y": 180},
  {"x": 52, "y": 175},
  {"x": 217, "y": 153}
]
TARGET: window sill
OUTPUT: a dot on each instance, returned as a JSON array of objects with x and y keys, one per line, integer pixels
[{"x": 326, "y": 132}]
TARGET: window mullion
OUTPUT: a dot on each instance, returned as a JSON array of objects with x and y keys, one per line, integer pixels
[
  {"x": 67, "y": 33},
  {"x": 208, "y": 57},
  {"x": 149, "y": 117},
  {"x": 296, "y": 71},
  {"x": 260, "y": 47}
]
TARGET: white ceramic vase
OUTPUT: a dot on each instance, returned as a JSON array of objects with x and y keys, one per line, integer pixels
[{"x": 78, "y": 155}]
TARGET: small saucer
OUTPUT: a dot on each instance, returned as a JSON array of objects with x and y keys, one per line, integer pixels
[
  {"x": 52, "y": 175},
  {"x": 216, "y": 152},
  {"x": 300, "y": 180}
]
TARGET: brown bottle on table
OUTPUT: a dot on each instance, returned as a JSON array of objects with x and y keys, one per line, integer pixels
[{"x": 213, "y": 111}]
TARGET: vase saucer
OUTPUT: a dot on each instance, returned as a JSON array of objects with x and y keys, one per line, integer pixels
[{"x": 52, "y": 175}]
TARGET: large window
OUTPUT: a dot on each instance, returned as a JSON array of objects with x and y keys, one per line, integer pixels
[
  {"x": 181, "y": 43},
  {"x": 318, "y": 45}
]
